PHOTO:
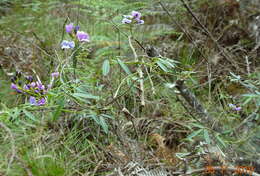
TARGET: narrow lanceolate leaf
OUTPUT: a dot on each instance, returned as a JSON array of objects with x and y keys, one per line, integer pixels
[
  {"x": 167, "y": 63},
  {"x": 206, "y": 136},
  {"x": 162, "y": 66},
  {"x": 124, "y": 67},
  {"x": 57, "y": 112},
  {"x": 85, "y": 95},
  {"x": 106, "y": 67},
  {"x": 103, "y": 124},
  {"x": 29, "y": 115},
  {"x": 221, "y": 141},
  {"x": 195, "y": 133}
]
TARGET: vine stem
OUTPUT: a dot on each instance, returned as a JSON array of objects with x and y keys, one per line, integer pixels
[{"x": 139, "y": 71}]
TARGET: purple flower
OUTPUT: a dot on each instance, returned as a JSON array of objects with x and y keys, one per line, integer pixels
[
  {"x": 76, "y": 29},
  {"x": 140, "y": 21},
  {"x": 26, "y": 86},
  {"x": 238, "y": 109},
  {"x": 42, "y": 101},
  {"x": 29, "y": 78},
  {"x": 128, "y": 16},
  {"x": 40, "y": 85},
  {"x": 69, "y": 28},
  {"x": 82, "y": 36},
  {"x": 234, "y": 107},
  {"x": 33, "y": 84},
  {"x": 126, "y": 21},
  {"x": 32, "y": 100},
  {"x": 231, "y": 105},
  {"x": 14, "y": 86},
  {"x": 67, "y": 44},
  {"x": 55, "y": 74},
  {"x": 136, "y": 15}
]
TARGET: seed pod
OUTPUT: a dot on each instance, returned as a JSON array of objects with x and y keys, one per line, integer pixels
[
  {"x": 29, "y": 79},
  {"x": 18, "y": 74},
  {"x": 20, "y": 83}
]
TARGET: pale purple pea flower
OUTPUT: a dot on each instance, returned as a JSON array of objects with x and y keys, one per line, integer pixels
[
  {"x": 140, "y": 21},
  {"x": 234, "y": 107},
  {"x": 67, "y": 44},
  {"x": 32, "y": 100},
  {"x": 40, "y": 85},
  {"x": 238, "y": 109},
  {"x": 82, "y": 36},
  {"x": 42, "y": 101},
  {"x": 128, "y": 16},
  {"x": 26, "y": 87},
  {"x": 126, "y": 21},
  {"x": 33, "y": 84},
  {"x": 136, "y": 15},
  {"x": 14, "y": 86},
  {"x": 69, "y": 28},
  {"x": 76, "y": 29},
  {"x": 55, "y": 74},
  {"x": 29, "y": 78},
  {"x": 231, "y": 105}
]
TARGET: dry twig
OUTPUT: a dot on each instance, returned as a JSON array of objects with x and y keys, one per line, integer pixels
[{"x": 195, "y": 104}]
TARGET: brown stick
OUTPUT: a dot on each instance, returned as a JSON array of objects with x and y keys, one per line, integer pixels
[
  {"x": 195, "y": 104},
  {"x": 130, "y": 117}
]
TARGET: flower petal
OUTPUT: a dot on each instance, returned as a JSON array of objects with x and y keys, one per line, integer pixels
[
  {"x": 82, "y": 36},
  {"x": 69, "y": 28}
]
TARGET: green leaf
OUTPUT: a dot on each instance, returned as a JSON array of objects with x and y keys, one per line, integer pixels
[
  {"x": 100, "y": 121},
  {"x": 57, "y": 112},
  {"x": 247, "y": 100},
  {"x": 94, "y": 117},
  {"x": 197, "y": 125},
  {"x": 103, "y": 124},
  {"x": 85, "y": 95},
  {"x": 168, "y": 63},
  {"x": 182, "y": 155},
  {"x": 206, "y": 136},
  {"x": 106, "y": 67},
  {"x": 195, "y": 133},
  {"x": 124, "y": 67},
  {"x": 15, "y": 113},
  {"x": 162, "y": 66},
  {"x": 221, "y": 141},
  {"x": 29, "y": 115}
]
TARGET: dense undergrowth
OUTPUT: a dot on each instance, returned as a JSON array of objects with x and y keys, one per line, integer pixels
[{"x": 170, "y": 96}]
